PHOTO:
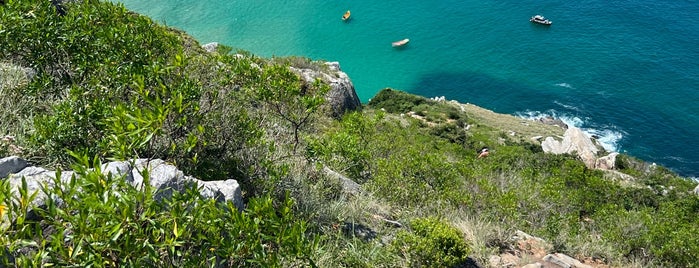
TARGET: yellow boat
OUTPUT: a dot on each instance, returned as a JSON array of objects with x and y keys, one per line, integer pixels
[{"x": 346, "y": 16}]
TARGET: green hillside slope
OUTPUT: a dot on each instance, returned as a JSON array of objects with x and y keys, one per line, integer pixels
[{"x": 396, "y": 184}]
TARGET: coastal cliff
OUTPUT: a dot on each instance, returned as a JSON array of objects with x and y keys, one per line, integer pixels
[{"x": 274, "y": 162}]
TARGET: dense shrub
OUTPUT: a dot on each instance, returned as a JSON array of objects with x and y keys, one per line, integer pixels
[
  {"x": 432, "y": 243},
  {"x": 98, "y": 220},
  {"x": 117, "y": 85},
  {"x": 394, "y": 101}
]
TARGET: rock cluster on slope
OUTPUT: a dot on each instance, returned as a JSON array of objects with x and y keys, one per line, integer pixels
[{"x": 164, "y": 179}]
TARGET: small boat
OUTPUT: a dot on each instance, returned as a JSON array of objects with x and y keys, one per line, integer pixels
[
  {"x": 400, "y": 43},
  {"x": 540, "y": 20},
  {"x": 346, "y": 16}
]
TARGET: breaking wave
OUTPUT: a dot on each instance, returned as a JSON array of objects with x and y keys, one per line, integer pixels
[
  {"x": 607, "y": 136},
  {"x": 566, "y": 85}
]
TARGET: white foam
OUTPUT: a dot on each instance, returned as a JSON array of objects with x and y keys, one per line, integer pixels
[
  {"x": 566, "y": 85},
  {"x": 568, "y": 106},
  {"x": 608, "y": 137}
]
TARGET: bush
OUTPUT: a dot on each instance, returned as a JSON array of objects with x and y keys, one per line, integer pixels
[
  {"x": 394, "y": 101},
  {"x": 103, "y": 221},
  {"x": 433, "y": 243}
]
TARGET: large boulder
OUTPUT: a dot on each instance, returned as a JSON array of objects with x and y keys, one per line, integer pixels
[
  {"x": 563, "y": 261},
  {"x": 575, "y": 141},
  {"x": 607, "y": 162},
  {"x": 164, "y": 180},
  {"x": 347, "y": 184},
  {"x": 342, "y": 97},
  {"x": 210, "y": 47},
  {"x": 12, "y": 164}
]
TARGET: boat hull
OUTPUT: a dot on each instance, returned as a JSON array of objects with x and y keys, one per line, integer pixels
[{"x": 400, "y": 43}]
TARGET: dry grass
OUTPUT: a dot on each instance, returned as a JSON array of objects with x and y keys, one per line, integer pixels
[
  {"x": 518, "y": 129},
  {"x": 15, "y": 120}
]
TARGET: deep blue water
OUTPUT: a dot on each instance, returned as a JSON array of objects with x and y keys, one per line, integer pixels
[{"x": 626, "y": 70}]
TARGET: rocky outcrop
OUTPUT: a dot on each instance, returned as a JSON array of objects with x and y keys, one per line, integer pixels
[
  {"x": 347, "y": 184},
  {"x": 164, "y": 180},
  {"x": 696, "y": 190},
  {"x": 342, "y": 97},
  {"x": 607, "y": 162},
  {"x": 550, "y": 120},
  {"x": 531, "y": 252},
  {"x": 575, "y": 141},
  {"x": 12, "y": 164},
  {"x": 563, "y": 261},
  {"x": 210, "y": 47}
]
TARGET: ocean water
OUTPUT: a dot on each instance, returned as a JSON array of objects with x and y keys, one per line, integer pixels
[{"x": 626, "y": 71}]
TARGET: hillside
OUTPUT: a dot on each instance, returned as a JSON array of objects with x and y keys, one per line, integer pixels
[{"x": 324, "y": 181}]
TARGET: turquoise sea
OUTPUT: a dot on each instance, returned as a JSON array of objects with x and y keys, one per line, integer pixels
[{"x": 626, "y": 70}]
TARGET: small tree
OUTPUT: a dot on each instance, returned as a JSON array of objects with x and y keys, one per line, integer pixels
[{"x": 289, "y": 98}]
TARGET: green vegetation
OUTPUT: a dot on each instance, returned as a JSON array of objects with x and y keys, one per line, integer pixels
[
  {"x": 88, "y": 81},
  {"x": 432, "y": 243}
]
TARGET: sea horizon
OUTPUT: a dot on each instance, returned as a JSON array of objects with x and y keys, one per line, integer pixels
[{"x": 606, "y": 67}]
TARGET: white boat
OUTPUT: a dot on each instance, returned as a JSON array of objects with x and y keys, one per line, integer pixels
[
  {"x": 400, "y": 43},
  {"x": 540, "y": 20}
]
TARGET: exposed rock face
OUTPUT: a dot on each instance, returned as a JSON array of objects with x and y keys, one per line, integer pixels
[
  {"x": 550, "y": 120},
  {"x": 563, "y": 261},
  {"x": 696, "y": 190},
  {"x": 532, "y": 251},
  {"x": 12, "y": 164},
  {"x": 164, "y": 179},
  {"x": 606, "y": 162},
  {"x": 341, "y": 97},
  {"x": 574, "y": 141},
  {"x": 348, "y": 185},
  {"x": 210, "y": 47}
]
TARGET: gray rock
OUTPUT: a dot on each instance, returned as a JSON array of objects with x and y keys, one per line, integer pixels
[
  {"x": 696, "y": 190},
  {"x": 121, "y": 168},
  {"x": 342, "y": 97},
  {"x": 164, "y": 180},
  {"x": 12, "y": 164},
  {"x": 533, "y": 265},
  {"x": 348, "y": 185},
  {"x": 550, "y": 120},
  {"x": 564, "y": 261},
  {"x": 222, "y": 191},
  {"x": 210, "y": 47},
  {"x": 575, "y": 141},
  {"x": 36, "y": 178},
  {"x": 606, "y": 162}
]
